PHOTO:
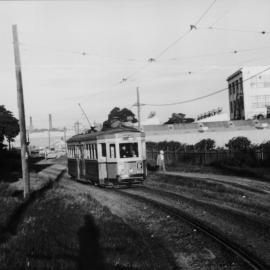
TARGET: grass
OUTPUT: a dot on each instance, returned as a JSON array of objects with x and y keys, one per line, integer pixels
[
  {"x": 194, "y": 184},
  {"x": 72, "y": 231},
  {"x": 8, "y": 204},
  {"x": 260, "y": 173}
]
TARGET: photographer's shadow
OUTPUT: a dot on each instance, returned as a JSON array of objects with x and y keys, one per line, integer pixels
[{"x": 90, "y": 254}]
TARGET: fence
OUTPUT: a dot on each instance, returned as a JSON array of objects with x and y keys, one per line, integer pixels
[{"x": 208, "y": 157}]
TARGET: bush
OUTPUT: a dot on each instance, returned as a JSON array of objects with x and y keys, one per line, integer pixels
[
  {"x": 205, "y": 145},
  {"x": 239, "y": 144},
  {"x": 151, "y": 166},
  {"x": 10, "y": 165},
  {"x": 165, "y": 145}
]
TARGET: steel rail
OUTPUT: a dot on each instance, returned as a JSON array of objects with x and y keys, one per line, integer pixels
[{"x": 249, "y": 258}]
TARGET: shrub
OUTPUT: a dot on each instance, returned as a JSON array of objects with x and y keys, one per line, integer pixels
[
  {"x": 205, "y": 145},
  {"x": 239, "y": 144}
]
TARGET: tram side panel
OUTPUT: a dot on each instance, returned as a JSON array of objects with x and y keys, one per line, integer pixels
[
  {"x": 112, "y": 170},
  {"x": 102, "y": 169},
  {"x": 92, "y": 170}
]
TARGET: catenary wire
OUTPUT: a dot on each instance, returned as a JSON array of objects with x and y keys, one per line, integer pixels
[
  {"x": 227, "y": 11},
  {"x": 204, "y": 96},
  {"x": 236, "y": 51},
  {"x": 181, "y": 37},
  {"x": 263, "y": 32}
]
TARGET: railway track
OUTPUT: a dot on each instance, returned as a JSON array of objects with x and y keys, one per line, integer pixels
[
  {"x": 248, "y": 217},
  {"x": 250, "y": 259}
]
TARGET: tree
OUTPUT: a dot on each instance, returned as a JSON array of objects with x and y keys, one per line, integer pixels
[
  {"x": 239, "y": 144},
  {"x": 205, "y": 145},
  {"x": 265, "y": 145},
  {"x": 9, "y": 126},
  {"x": 119, "y": 116}
]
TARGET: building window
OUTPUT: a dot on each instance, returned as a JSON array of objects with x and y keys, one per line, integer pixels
[
  {"x": 260, "y": 101},
  {"x": 262, "y": 81},
  {"x": 230, "y": 89},
  {"x": 241, "y": 86}
]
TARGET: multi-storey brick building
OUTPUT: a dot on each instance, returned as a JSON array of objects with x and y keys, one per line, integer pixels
[{"x": 249, "y": 94}]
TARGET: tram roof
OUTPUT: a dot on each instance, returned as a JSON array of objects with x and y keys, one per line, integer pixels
[{"x": 96, "y": 135}]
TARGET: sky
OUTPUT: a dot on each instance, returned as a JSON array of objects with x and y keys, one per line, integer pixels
[{"x": 78, "y": 52}]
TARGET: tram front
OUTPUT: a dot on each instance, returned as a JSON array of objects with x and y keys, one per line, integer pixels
[{"x": 131, "y": 164}]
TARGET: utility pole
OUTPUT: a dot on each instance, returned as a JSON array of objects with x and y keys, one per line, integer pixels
[
  {"x": 31, "y": 125},
  {"x": 65, "y": 138},
  {"x": 139, "y": 108},
  {"x": 50, "y": 122},
  {"x": 20, "y": 100},
  {"x": 49, "y": 131}
]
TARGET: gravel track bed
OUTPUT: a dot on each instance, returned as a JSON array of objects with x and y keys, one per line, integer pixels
[
  {"x": 251, "y": 234},
  {"x": 251, "y": 220},
  {"x": 257, "y": 204},
  {"x": 191, "y": 249},
  {"x": 244, "y": 183}
]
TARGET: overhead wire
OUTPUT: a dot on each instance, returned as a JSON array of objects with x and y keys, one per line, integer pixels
[
  {"x": 225, "y": 13},
  {"x": 77, "y": 52},
  {"x": 181, "y": 37},
  {"x": 151, "y": 60},
  {"x": 236, "y": 51},
  {"x": 263, "y": 32},
  {"x": 205, "y": 12},
  {"x": 204, "y": 96}
]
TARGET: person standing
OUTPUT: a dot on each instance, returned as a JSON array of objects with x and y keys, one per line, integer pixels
[{"x": 161, "y": 161}]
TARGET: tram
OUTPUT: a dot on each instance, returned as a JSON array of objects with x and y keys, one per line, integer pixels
[{"x": 115, "y": 156}]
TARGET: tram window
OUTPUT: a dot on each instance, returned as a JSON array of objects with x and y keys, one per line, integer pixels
[
  {"x": 128, "y": 150},
  {"x": 103, "y": 149},
  {"x": 112, "y": 151},
  {"x": 95, "y": 151},
  {"x": 91, "y": 151},
  {"x": 87, "y": 151}
]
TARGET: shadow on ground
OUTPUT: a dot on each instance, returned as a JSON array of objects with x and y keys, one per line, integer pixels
[{"x": 90, "y": 255}]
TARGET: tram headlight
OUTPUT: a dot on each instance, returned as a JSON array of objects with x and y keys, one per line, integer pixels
[{"x": 121, "y": 168}]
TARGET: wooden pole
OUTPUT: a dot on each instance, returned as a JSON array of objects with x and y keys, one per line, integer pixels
[
  {"x": 139, "y": 108},
  {"x": 65, "y": 138},
  {"x": 20, "y": 100},
  {"x": 49, "y": 131}
]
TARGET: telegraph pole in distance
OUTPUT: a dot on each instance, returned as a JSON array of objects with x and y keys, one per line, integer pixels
[
  {"x": 65, "y": 138},
  {"x": 20, "y": 100},
  {"x": 49, "y": 131},
  {"x": 139, "y": 108}
]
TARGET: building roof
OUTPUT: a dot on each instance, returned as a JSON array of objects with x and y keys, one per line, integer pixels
[
  {"x": 95, "y": 135},
  {"x": 234, "y": 74}
]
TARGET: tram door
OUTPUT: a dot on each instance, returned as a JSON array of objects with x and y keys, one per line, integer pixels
[
  {"x": 103, "y": 173},
  {"x": 80, "y": 162}
]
